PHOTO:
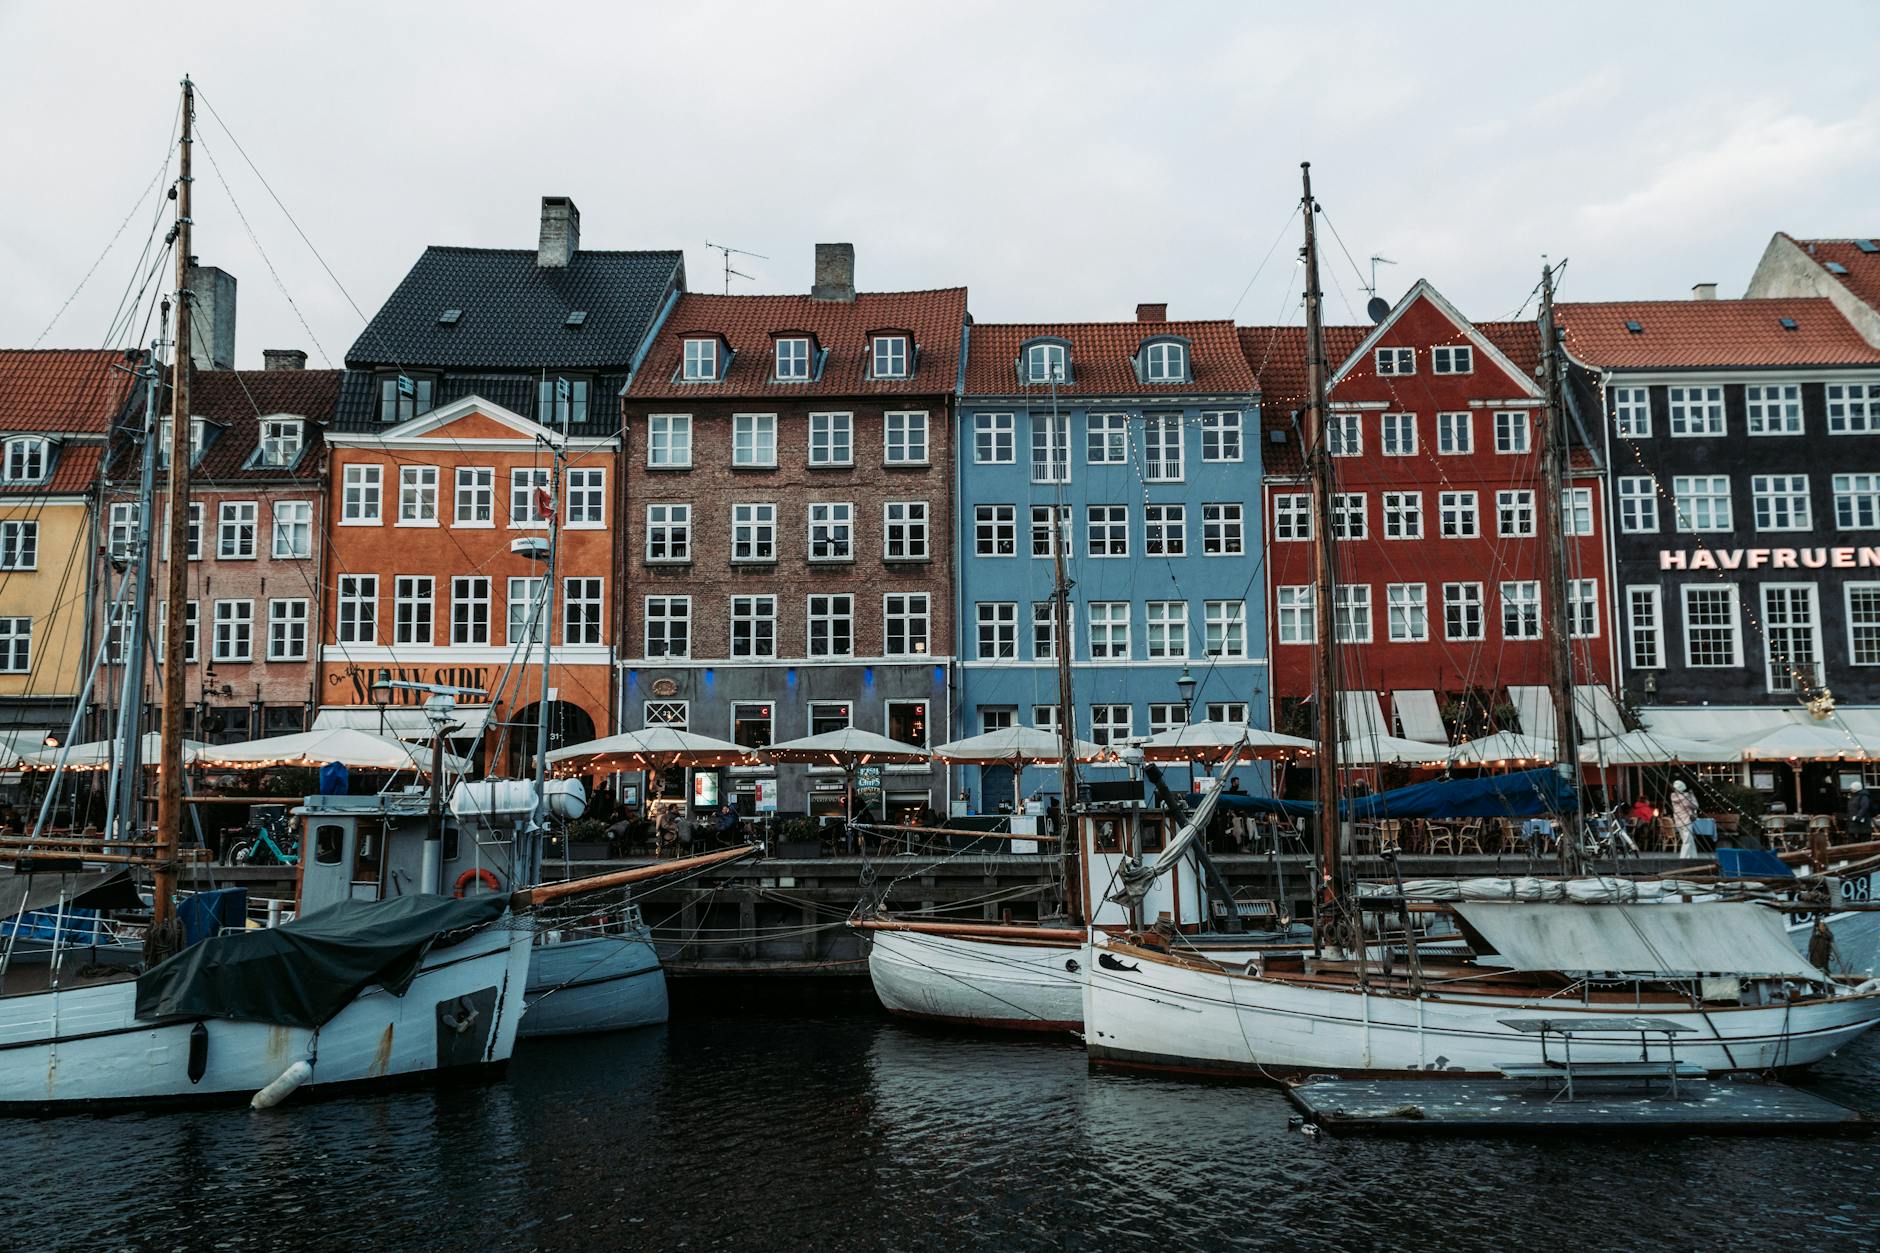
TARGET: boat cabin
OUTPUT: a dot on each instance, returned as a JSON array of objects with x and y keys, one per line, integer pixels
[{"x": 377, "y": 847}]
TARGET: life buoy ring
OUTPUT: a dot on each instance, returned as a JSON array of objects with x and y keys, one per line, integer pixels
[{"x": 486, "y": 877}]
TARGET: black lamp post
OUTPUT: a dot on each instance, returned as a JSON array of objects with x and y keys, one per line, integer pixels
[{"x": 1186, "y": 686}]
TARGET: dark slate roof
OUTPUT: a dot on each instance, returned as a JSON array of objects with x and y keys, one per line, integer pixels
[
  {"x": 515, "y": 312},
  {"x": 357, "y": 408}
]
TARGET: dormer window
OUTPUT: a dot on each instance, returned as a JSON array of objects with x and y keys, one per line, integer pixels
[
  {"x": 793, "y": 358},
  {"x": 163, "y": 441},
  {"x": 1396, "y": 362},
  {"x": 561, "y": 402},
  {"x": 701, "y": 361},
  {"x": 1165, "y": 361},
  {"x": 404, "y": 396},
  {"x": 890, "y": 357},
  {"x": 280, "y": 441},
  {"x": 26, "y": 458},
  {"x": 1047, "y": 363}
]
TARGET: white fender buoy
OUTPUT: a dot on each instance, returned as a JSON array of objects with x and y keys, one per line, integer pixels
[{"x": 283, "y": 1087}]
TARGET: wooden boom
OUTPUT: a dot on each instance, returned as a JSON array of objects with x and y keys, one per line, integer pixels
[{"x": 543, "y": 893}]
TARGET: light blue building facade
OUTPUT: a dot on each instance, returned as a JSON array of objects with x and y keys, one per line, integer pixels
[{"x": 1147, "y": 450}]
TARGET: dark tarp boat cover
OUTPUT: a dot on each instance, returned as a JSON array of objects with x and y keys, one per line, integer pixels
[
  {"x": 96, "y": 889},
  {"x": 303, "y": 972},
  {"x": 1523, "y": 794}
]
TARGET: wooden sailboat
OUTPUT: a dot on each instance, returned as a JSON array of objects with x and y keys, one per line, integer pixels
[{"x": 1741, "y": 999}]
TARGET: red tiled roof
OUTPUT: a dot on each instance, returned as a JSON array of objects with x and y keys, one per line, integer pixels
[
  {"x": 237, "y": 400},
  {"x": 61, "y": 389},
  {"x": 1863, "y": 268},
  {"x": 936, "y": 320},
  {"x": 1101, "y": 356},
  {"x": 1712, "y": 334},
  {"x": 74, "y": 470}
]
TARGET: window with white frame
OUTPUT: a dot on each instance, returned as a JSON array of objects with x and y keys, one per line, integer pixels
[
  {"x": 586, "y": 489},
  {"x": 1462, "y": 611},
  {"x": 1166, "y": 633},
  {"x": 993, "y": 440},
  {"x": 1166, "y": 716},
  {"x": 1110, "y": 724},
  {"x": 1702, "y": 502},
  {"x": 754, "y": 440},
  {"x": 1232, "y": 712},
  {"x": 191, "y": 631},
  {"x": 473, "y": 504},
  {"x": 906, "y": 438},
  {"x": 1645, "y": 625},
  {"x": 1407, "y": 612},
  {"x": 528, "y": 490},
  {"x": 234, "y": 630},
  {"x": 1223, "y": 530},
  {"x": 1583, "y": 609},
  {"x": 826, "y": 716},
  {"x": 581, "y": 601},
  {"x": 889, "y": 357},
  {"x": 1107, "y": 531},
  {"x": 1162, "y": 448},
  {"x": 417, "y": 496},
  {"x": 1046, "y": 539},
  {"x": 701, "y": 361},
  {"x": 668, "y": 626},
  {"x": 1224, "y": 628},
  {"x": 235, "y": 531},
  {"x": 1521, "y": 610},
  {"x": 1050, "y": 448},
  {"x": 906, "y": 721},
  {"x": 1292, "y": 516},
  {"x": 1456, "y": 515},
  {"x": 1576, "y": 508},
  {"x": 666, "y": 713},
  {"x": 998, "y": 629},
  {"x": 904, "y": 530},
  {"x": 1165, "y": 530},
  {"x": 1792, "y": 630},
  {"x": 1045, "y": 363},
  {"x": 1403, "y": 515},
  {"x": 1857, "y": 502},
  {"x": 412, "y": 598},
  {"x": 995, "y": 530},
  {"x": 470, "y": 609},
  {"x": 1109, "y": 630},
  {"x": 19, "y": 545},
  {"x": 1514, "y": 513},
  {"x": 1863, "y": 623},
  {"x": 668, "y": 441},
  {"x": 832, "y": 626},
  {"x": 26, "y": 459},
  {"x": 1349, "y": 516},
  {"x": 280, "y": 441},
  {"x": 1344, "y": 433},
  {"x": 360, "y": 488},
  {"x": 1220, "y": 435},
  {"x": 754, "y": 532},
  {"x": 668, "y": 532},
  {"x": 1294, "y": 619},
  {"x": 831, "y": 531},
  {"x": 752, "y": 724},
  {"x": 1853, "y": 408},
  {"x": 16, "y": 645},
  {"x": 1513, "y": 432},
  {"x": 831, "y": 439},
  {"x": 792, "y": 353},
  {"x": 1351, "y": 613},
  {"x": 358, "y": 609},
  {"x": 197, "y": 433},
  {"x": 287, "y": 630},
  {"x": 1695, "y": 410},
  {"x": 1773, "y": 409},
  {"x": 118, "y": 643},
  {"x": 1455, "y": 433},
  {"x": 1638, "y": 505},
  {"x": 1106, "y": 439},
  {"x": 525, "y": 609},
  {"x": 293, "y": 529},
  {"x": 1713, "y": 637},
  {"x": 754, "y": 626},
  {"x": 1399, "y": 434},
  {"x": 1044, "y": 629},
  {"x": 1632, "y": 412},
  {"x": 904, "y": 624},
  {"x": 193, "y": 531},
  {"x": 1165, "y": 362},
  {"x": 1395, "y": 362},
  {"x": 1781, "y": 502},
  {"x": 1452, "y": 359}
]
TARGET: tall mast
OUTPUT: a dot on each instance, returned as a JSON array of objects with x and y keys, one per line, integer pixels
[
  {"x": 126, "y": 795},
  {"x": 547, "y": 619},
  {"x": 1326, "y": 781},
  {"x": 176, "y": 594},
  {"x": 1552, "y": 518},
  {"x": 1061, "y": 630}
]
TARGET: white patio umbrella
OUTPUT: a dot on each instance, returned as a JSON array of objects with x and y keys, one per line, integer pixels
[
  {"x": 1390, "y": 750},
  {"x": 100, "y": 754},
  {"x": 1804, "y": 741},
  {"x": 1015, "y": 746},
  {"x": 850, "y": 748},
  {"x": 1211, "y": 742},
  {"x": 650, "y": 748},
  {"x": 1643, "y": 748},
  {"x": 361, "y": 750},
  {"x": 1503, "y": 748}
]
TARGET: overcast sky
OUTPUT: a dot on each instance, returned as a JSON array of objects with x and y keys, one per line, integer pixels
[{"x": 1062, "y": 161}]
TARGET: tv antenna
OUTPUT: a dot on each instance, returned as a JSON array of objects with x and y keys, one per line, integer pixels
[
  {"x": 1377, "y": 306},
  {"x": 728, "y": 252}
]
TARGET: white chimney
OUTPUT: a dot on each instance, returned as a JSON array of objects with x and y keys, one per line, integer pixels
[
  {"x": 1703, "y": 291},
  {"x": 561, "y": 233}
]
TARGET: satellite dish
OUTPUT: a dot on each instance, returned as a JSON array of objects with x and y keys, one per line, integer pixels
[{"x": 1378, "y": 308}]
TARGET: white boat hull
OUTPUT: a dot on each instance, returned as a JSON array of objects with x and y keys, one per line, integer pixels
[
  {"x": 1153, "y": 1014},
  {"x": 1024, "y": 985},
  {"x": 594, "y": 983},
  {"x": 85, "y": 1046}
]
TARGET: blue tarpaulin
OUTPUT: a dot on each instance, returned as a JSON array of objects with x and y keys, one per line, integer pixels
[
  {"x": 1752, "y": 863},
  {"x": 1523, "y": 794},
  {"x": 211, "y": 913}
]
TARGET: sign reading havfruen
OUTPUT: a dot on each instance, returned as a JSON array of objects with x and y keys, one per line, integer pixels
[{"x": 1863, "y": 558}]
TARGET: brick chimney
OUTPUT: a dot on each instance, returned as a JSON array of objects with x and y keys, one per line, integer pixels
[
  {"x": 1703, "y": 291},
  {"x": 561, "y": 233},
  {"x": 835, "y": 272},
  {"x": 1152, "y": 313},
  {"x": 283, "y": 359},
  {"x": 212, "y": 325}
]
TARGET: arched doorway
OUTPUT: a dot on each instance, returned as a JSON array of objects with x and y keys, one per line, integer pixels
[{"x": 567, "y": 724}]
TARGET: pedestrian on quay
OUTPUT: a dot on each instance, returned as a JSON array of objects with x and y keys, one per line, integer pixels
[
  {"x": 1683, "y": 815},
  {"x": 727, "y": 825},
  {"x": 1859, "y": 813}
]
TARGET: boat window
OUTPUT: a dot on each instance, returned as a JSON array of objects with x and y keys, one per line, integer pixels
[
  {"x": 452, "y": 841},
  {"x": 328, "y": 839},
  {"x": 1108, "y": 836},
  {"x": 369, "y": 853},
  {"x": 1154, "y": 836}
]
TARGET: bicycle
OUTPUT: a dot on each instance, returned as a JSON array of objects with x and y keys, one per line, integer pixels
[{"x": 263, "y": 848}]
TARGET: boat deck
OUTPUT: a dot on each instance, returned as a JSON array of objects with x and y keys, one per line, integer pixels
[{"x": 1513, "y": 1107}]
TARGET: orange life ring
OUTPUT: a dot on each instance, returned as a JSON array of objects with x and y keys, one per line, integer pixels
[{"x": 487, "y": 878}]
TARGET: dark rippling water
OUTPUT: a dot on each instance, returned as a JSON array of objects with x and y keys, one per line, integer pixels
[{"x": 831, "y": 1128}]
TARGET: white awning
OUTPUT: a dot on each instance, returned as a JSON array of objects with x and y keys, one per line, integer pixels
[
  {"x": 1420, "y": 716},
  {"x": 1720, "y": 938},
  {"x": 1596, "y": 711},
  {"x": 401, "y": 721},
  {"x": 1740, "y": 723},
  {"x": 1534, "y": 708},
  {"x": 1362, "y": 715}
]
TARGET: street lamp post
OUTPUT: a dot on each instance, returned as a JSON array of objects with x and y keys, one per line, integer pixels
[{"x": 1186, "y": 686}]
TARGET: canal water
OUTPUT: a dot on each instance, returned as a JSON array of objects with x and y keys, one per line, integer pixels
[{"x": 828, "y": 1127}]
